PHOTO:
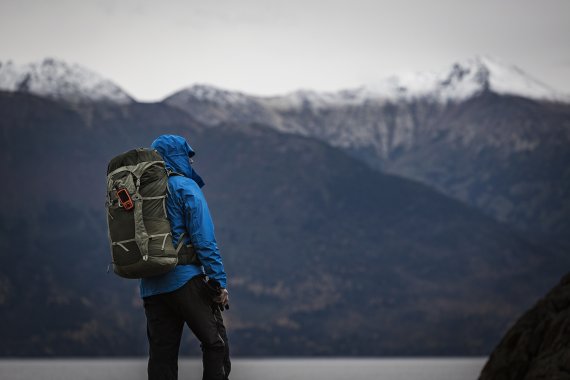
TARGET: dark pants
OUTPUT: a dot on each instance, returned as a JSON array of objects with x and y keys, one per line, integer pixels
[{"x": 166, "y": 314}]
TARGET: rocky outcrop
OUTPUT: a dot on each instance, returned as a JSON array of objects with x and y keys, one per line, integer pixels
[{"x": 538, "y": 345}]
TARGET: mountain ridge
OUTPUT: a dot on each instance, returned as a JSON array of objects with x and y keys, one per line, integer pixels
[
  {"x": 504, "y": 154},
  {"x": 461, "y": 80}
]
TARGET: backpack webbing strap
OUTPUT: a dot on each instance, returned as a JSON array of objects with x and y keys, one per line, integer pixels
[
  {"x": 180, "y": 242},
  {"x": 186, "y": 252},
  {"x": 135, "y": 169},
  {"x": 141, "y": 235},
  {"x": 122, "y": 242}
]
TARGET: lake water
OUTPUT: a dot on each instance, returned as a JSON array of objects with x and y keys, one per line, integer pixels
[{"x": 251, "y": 369}]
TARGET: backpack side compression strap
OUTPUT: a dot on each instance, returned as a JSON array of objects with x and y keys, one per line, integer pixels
[{"x": 188, "y": 256}]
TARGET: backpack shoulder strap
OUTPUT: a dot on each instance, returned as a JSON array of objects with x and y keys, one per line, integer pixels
[{"x": 171, "y": 173}]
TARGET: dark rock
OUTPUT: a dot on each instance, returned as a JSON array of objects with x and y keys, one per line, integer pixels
[{"x": 538, "y": 345}]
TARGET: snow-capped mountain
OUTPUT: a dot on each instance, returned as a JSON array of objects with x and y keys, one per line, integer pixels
[
  {"x": 461, "y": 81},
  {"x": 464, "y": 80},
  {"x": 214, "y": 94},
  {"x": 366, "y": 117},
  {"x": 59, "y": 80},
  {"x": 463, "y": 131},
  {"x": 212, "y": 105}
]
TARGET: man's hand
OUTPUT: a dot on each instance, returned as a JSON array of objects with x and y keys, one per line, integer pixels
[
  {"x": 219, "y": 295},
  {"x": 223, "y": 297}
]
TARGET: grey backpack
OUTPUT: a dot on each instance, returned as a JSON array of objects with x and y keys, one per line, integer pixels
[{"x": 139, "y": 230}]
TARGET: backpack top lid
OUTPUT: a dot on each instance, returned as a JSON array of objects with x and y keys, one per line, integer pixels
[{"x": 133, "y": 157}]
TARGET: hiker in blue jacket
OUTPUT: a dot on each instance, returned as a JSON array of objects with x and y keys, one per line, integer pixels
[{"x": 185, "y": 294}]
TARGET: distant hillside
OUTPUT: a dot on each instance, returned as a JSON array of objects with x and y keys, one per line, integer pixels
[{"x": 325, "y": 255}]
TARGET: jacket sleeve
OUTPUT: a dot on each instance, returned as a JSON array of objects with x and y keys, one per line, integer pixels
[{"x": 201, "y": 230}]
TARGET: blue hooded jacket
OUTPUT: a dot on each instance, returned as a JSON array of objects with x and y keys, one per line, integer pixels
[{"x": 188, "y": 212}]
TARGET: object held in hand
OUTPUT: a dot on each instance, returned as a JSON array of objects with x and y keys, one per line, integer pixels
[
  {"x": 223, "y": 297},
  {"x": 220, "y": 295}
]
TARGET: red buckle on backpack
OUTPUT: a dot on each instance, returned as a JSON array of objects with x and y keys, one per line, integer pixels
[{"x": 125, "y": 199}]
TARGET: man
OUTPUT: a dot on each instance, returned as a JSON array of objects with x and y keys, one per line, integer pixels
[{"x": 183, "y": 295}]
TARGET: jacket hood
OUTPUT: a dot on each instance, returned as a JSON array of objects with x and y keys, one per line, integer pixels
[{"x": 176, "y": 152}]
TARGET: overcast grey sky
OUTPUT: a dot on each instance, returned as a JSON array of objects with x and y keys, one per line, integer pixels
[{"x": 152, "y": 48}]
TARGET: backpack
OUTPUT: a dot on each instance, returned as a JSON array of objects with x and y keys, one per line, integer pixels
[{"x": 138, "y": 226}]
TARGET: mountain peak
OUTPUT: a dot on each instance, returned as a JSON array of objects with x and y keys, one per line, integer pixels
[
  {"x": 59, "y": 80},
  {"x": 209, "y": 93},
  {"x": 503, "y": 78},
  {"x": 465, "y": 79}
]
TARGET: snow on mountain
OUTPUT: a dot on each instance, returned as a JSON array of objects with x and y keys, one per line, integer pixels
[
  {"x": 59, "y": 80},
  {"x": 208, "y": 93},
  {"x": 212, "y": 105},
  {"x": 317, "y": 100},
  {"x": 381, "y": 119},
  {"x": 459, "y": 82},
  {"x": 464, "y": 80},
  {"x": 456, "y": 83}
]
